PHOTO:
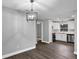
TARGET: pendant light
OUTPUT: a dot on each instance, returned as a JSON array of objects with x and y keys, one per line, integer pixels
[{"x": 31, "y": 15}]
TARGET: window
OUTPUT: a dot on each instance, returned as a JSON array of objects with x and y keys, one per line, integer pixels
[{"x": 63, "y": 27}]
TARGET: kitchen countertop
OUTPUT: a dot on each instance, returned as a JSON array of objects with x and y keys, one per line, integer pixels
[{"x": 64, "y": 32}]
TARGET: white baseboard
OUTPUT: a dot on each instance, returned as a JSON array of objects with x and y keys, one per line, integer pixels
[
  {"x": 38, "y": 39},
  {"x": 17, "y": 52},
  {"x": 75, "y": 53},
  {"x": 45, "y": 42}
]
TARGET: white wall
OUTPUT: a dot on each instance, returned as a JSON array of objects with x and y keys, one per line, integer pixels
[
  {"x": 17, "y": 34},
  {"x": 45, "y": 31},
  {"x": 76, "y": 36},
  {"x": 50, "y": 31}
]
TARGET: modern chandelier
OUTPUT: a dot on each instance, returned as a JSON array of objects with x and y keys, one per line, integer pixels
[{"x": 31, "y": 15}]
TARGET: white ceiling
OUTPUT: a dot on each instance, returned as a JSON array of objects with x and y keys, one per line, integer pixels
[{"x": 46, "y": 8}]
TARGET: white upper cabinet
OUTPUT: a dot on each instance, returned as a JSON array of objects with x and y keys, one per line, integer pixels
[{"x": 56, "y": 26}]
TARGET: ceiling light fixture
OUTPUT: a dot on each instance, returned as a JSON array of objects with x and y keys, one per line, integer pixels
[{"x": 31, "y": 15}]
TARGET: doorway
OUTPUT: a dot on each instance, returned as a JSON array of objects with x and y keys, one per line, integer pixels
[{"x": 39, "y": 27}]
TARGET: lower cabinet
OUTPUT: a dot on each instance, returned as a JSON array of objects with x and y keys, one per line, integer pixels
[
  {"x": 70, "y": 38},
  {"x": 61, "y": 37}
]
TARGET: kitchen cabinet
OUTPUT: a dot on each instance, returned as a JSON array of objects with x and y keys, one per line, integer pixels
[
  {"x": 60, "y": 30},
  {"x": 70, "y": 38},
  {"x": 61, "y": 37}
]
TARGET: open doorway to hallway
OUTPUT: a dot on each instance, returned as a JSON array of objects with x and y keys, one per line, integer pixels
[{"x": 39, "y": 30}]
